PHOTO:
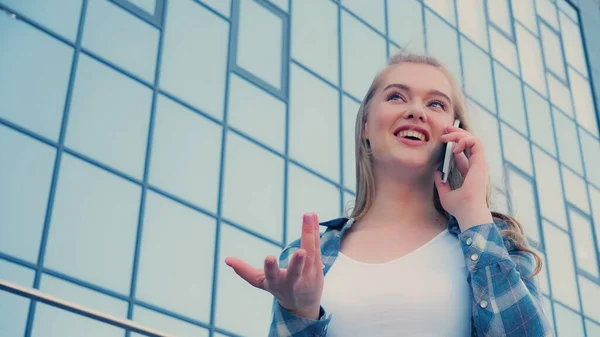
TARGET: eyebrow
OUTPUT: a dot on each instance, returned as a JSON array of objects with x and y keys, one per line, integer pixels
[{"x": 407, "y": 88}]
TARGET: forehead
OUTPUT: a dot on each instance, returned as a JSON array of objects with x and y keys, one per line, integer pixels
[{"x": 420, "y": 77}]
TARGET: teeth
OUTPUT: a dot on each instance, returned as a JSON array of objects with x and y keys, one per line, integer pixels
[{"x": 411, "y": 133}]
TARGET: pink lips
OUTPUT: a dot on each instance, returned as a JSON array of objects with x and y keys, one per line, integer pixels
[{"x": 411, "y": 142}]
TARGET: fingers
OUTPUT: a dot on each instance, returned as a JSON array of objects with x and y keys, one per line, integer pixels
[
  {"x": 294, "y": 271},
  {"x": 250, "y": 274},
  {"x": 317, "y": 242},
  {"x": 462, "y": 163},
  {"x": 307, "y": 240},
  {"x": 442, "y": 188},
  {"x": 271, "y": 269}
]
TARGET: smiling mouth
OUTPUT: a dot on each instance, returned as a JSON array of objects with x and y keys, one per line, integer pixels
[{"x": 412, "y": 134}]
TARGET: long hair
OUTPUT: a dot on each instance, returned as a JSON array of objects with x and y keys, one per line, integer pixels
[{"x": 365, "y": 180}]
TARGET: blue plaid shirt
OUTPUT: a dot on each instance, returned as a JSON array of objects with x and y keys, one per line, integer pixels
[{"x": 505, "y": 302}]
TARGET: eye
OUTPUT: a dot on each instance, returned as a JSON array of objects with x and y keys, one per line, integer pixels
[
  {"x": 438, "y": 104},
  {"x": 395, "y": 96}
]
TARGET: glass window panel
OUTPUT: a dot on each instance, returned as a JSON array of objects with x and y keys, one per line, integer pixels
[
  {"x": 504, "y": 50},
  {"x": 568, "y": 144},
  {"x": 283, "y": 4},
  {"x": 363, "y": 55},
  {"x": 568, "y": 323},
  {"x": 371, "y": 11},
  {"x": 25, "y": 176},
  {"x": 53, "y": 322},
  {"x": 591, "y": 156},
  {"x": 60, "y": 16},
  {"x": 315, "y": 36},
  {"x": 568, "y": 9},
  {"x": 575, "y": 190},
  {"x": 523, "y": 205},
  {"x": 510, "y": 98},
  {"x": 547, "y": 10},
  {"x": 498, "y": 12},
  {"x": 15, "y": 273},
  {"x": 445, "y": 8},
  {"x": 221, "y": 6},
  {"x": 309, "y": 193},
  {"x": 166, "y": 324},
  {"x": 540, "y": 121},
  {"x": 405, "y": 24},
  {"x": 249, "y": 104},
  {"x": 127, "y": 41},
  {"x": 560, "y": 95},
  {"x": 186, "y": 152},
  {"x": 35, "y": 72},
  {"x": 478, "y": 75},
  {"x": 93, "y": 207},
  {"x": 314, "y": 109},
  {"x": 560, "y": 265},
  {"x": 516, "y": 149},
  {"x": 524, "y": 11},
  {"x": 194, "y": 59},
  {"x": 549, "y": 188},
  {"x": 592, "y": 328},
  {"x": 595, "y": 201},
  {"x": 178, "y": 278},
  {"x": 232, "y": 288},
  {"x": 259, "y": 48},
  {"x": 471, "y": 21},
  {"x": 14, "y": 308},
  {"x": 109, "y": 117},
  {"x": 553, "y": 51},
  {"x": 585, "y": 249},
  {"x": 147, "y": 5},
  {"x": 499, "y": 201},
  {"x": 530, "y": 57},
  {"x": 543, "y": 275},
  {"x": 350, "y": 110},
  {"x": 442, "y": 42},
  {"x": 583, "y": 101},
  {"x": 573, "y": 45},
  {"x": 252, "y": 171}
]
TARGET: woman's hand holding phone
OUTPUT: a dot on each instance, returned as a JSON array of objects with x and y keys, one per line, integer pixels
[{"x": 299, "y": 287}]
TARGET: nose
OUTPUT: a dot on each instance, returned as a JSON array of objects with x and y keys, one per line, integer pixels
[{"x": 415, "y": 112}]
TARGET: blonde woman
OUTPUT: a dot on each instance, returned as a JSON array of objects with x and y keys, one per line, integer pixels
[{"x": 416, "y": 256}]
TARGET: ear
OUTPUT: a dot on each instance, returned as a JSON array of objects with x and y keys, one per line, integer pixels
[{"x": 366, "y": 131}]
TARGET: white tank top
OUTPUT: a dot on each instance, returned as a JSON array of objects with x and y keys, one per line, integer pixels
[{"x": 422, "y": 294}]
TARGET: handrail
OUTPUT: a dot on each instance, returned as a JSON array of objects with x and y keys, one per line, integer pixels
[{"x": 39, "y": 296}]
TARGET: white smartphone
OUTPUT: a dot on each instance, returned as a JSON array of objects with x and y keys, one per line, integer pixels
[{"x": 448, "y": 157}]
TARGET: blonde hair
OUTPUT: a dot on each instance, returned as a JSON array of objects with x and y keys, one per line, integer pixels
[{"x": 365, "y": 180}]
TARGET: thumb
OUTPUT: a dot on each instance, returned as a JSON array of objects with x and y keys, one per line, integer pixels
[{"x": 442, "y": 187}]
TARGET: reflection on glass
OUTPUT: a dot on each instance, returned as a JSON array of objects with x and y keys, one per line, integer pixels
[
  {"x": 53, "y": 322},
  {"x": 591, "y": 157},
  {"x": 504, "y": 50},
  {"x": 547, "y": 10},
  {"x": 568, "y": 323},
  {"x": 314, "y": 110},
  {"x": 445, "y": 8},
  {"x": 498, "y": 12},
  {"x": 232, "y": 289},
  {"x": 405, "y": 24},
  {"x": 583, "y": 101},
  {"x": 308, "y": 193},
  {"x": 25, "y": 175},
  {"x": 471, "y": 21},
  {"x": 146, "y": 5},
  {"x": 573, "y": 45},
  {"x": 478, "y": 75},
  {"x": 194, "y": 59},
  {"x": 553, "y": 51},
  {"x": 186, "y": 152},
  {"x": 35, "y": 72},
  {"x": 252, "y": 171},
  {"x": 349, "y": 110},
  {"x": 363, "y": 55},
  {"x": 560, "y": 265},
  {"x": 256, "y": 113},
  {"x": 568, "y": 144},
  {"x": 127, "y": 41},
  {"x": 93, "y": 207},
  {"x": 524, "y": 11},
  {"x": 560, "y": 95},
  {"x": 371, "y": 11},
  {"x": 549, "y": 188},
  {"x": 510, "y": 98},
  {"x": 540, "y": 121},
  {"x": 516, "y": 149},
  {"x": 585, "y": 249},
  {"x": 259, "y": 48},
  {"x": 178, "y": 278},
  {"x": 530, "y": 57},
  {"x": 442, "y": 42},
  {"x": 166, "y": 324},
  {"x": 575, "y": 190},
  {"x": 314, "y": 39},
  {"x": 523, "y": 205}
]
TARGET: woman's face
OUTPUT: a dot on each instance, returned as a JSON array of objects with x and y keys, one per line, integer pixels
[{"x": 408, "y": 114}]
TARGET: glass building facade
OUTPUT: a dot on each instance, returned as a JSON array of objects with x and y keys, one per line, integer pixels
[{"x": 143, "y": 141}]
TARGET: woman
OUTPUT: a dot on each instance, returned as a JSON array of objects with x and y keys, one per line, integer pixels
[{"x": 417, "y": 256}]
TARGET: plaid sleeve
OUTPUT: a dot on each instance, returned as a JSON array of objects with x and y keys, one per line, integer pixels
[
  {"x": 505, "y": 301},
  {"x": 285, "y": 323}
]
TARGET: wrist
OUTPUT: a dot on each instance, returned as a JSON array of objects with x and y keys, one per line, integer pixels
[
  {"x": 311, "y": 313},
  {"x": 478, "y": 216}
]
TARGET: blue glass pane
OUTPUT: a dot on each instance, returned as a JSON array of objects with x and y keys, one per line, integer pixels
[
  {"x": 547, "y": 10},
  {"x": 523, "y": 205},
  {"x": 540, "y": 121},
  {"x": 405, "y": 24},
  {"x": 314, "y": 109},
  {"x": 560, "y": 95},
  {"x": 568, "y": 144},
  {"x": 282, "y": 4},
  {"x": 109, "y": 117},
  {"x": 499, "y": 13},
  {"x": 486, "y": 127},
  {"x": 166, "y": 324},
  {"x": 252, "y": 171},
  {"x": 363, "y": 55},
  {"x": 504, "y": 50},
  {"x": 259, "y": 48},
  {"x": 221, "y": 6},
  {"x": 573, "y": 45},
  {"x": 592, "y": 328},
  {"x": 178, "y": 278},
  {"x": 349, "y": 112},
  {"x": 442, "y": 42},
  {"x": 52, "y": 322},
  {"x": 35, "y": 72},
  {"x": 560, "y": 265},
  {"x": 591, "y": 157},
  {"x": 548, "y": 183},
  {"x": 478, "y": 75},
  {"x": 510, "y": 98},
  {"x": 516, "y": 149},
  {"x": 14, "y": 308},
  {"x": 595, "y": 203},
  {"x": 93, "y": 208},
  {"x": 524, "y": 11},
  {"x": 61, "y": 17},
  {"x": 16, "y": 274},
  {"x": 583, "y": 102},
  {"x": 568, "y": 9},
  {"x": 553, "y": 53},
  {"x": 249, "y": 104},
  {"x": 530, "y": 58},
  {"x": 585, "y": 249},
  {"x": 195, "y": 56},
  {"x": 444, "y": 8},
  {"x": 370, "y": 11},
  {"x": 186, "y": 152},
  {"x": 147, "y": 5},
  {"x": 127, "y": 41},
  {"x": 471, "y": 21},
  {"x": 575, "y": 189},
  {"x": 25, "y": 176},
  {"x": 315, "y": 36},
  {"x": 233, "y": 290},
  {"x": 568, "y": 323}
]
